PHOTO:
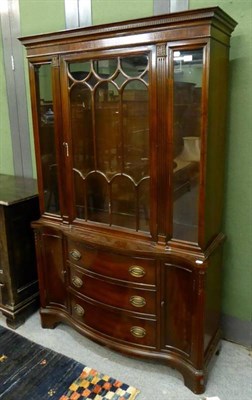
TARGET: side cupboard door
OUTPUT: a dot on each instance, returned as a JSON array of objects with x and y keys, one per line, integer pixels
[
  {"x": 178, "y": 308},
  {"x": 51, "y": 270},
  {"x": 44, "y": 77}
]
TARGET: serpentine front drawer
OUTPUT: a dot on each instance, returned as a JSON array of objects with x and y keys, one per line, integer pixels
[
  {"x": 140, "y": 270},
  {"x": 115, "y": 293},
  {"x": 118, "y": 325}
]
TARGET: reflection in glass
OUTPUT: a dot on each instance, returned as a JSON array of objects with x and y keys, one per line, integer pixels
[
  {"x": 105, "y": 68},
  {"x": 107, "y": 112},
  {"x": 123, "y": 202},
  {"x": 143, "y": 204},
  {"x": 110, "y": 130},
  {"x": 79, "y": 70},
  {"x": 82, "y": 128},
  {"x": 47, "y": 138},
  {"x": 135, "y": 65},
  {"x": 188, "y": 66},
  {"x": 97, "y": 198},
  {"x": 136, "y": 129},
  {"x": 120, "y": 80},
  {"x": 80, "y": 194}
]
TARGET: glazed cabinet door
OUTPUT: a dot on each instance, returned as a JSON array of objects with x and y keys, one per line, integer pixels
[
  {"x": 46, "y": 99},
  {"x": 107, "y": 114},
  {"x": 188, "y": 89}
]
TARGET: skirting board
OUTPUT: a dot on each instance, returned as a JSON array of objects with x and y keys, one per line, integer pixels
[{"x": 236, "y": 330}]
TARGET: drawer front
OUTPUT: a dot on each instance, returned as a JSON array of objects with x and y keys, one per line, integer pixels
[
  {"x": 107, "y": 292},
  {"x": 115, "y": 324},
  {"x": 134, "y": 269}
]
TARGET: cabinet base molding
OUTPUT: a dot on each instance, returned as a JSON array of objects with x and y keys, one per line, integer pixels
[
  {"x": 194, "y": 379},
  {"x": 16, "y": 316}
]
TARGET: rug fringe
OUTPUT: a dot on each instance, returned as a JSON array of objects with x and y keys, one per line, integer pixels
[{"x": 134, "y": 395}]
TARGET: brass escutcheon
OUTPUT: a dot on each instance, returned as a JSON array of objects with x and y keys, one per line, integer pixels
[
  {"x": 75, "y": 254},
  {"x": 79, "y": 310},
  {"x": 77, "y": 282},
  {"x": 136, "y": 271},
  {"x": 137, "y": 301},
  {"x": 138, "y": 332}
]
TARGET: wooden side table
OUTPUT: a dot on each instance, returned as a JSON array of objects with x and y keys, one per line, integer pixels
[{"x": 18, "y": 275}]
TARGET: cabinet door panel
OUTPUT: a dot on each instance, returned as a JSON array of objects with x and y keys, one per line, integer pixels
[
  {"x": 178, "y": 308},
  {"x": 47, "y": 138},
  {"x": 53, "y": 269},
  {"x": 187, "y": 138},
  {"x": 108, "y": 100}
]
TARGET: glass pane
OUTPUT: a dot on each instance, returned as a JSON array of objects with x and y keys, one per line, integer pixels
[
  {"x": 107, "y": 115},
  {"x": 80, "y": 195},
  {"x": 123, "y": 202},
  {"x": 144, "y": 209},
  {"x": 105, "y": 68},
  {"x": 79, "y": 70},
  {"x": 136, "y": 129},
  {"x": 120, "y": 79},
  {"x": 134, "y": 66},
  {"x": 47, "y": 138},
  {"x": 98, "y": 198},
  {"x": 82, "y": 128},
  {"x": 188, "y": 67}
]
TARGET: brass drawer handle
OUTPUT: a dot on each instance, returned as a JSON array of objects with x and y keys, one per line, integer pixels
[
  {"x": 138, "y": 332},
  {"x": 75, "y": 254},
  {"x": 136, "y": 271},
  {"x": 137, "y": 301},
  {"x": 79, "y": 310},
  {"x": 77, "y": 282}
]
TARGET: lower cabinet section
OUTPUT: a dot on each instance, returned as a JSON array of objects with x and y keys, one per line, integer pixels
[{"x": 152, "y": 304}]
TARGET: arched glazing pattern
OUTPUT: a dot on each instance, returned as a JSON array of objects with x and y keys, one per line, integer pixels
[{"x": 109, "y": 100}]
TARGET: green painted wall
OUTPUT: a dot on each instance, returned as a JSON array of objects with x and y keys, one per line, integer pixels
[
  {"x": 237, "y": 224},
  {"x": 42, "y": 16},
  {"x": 6, "y": 158},
  {"x": 106, "y": 11},
  {"x": 38, "y": 16}
]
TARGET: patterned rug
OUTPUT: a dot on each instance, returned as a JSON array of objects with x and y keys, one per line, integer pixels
[{"x": 30, "y": 371}]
